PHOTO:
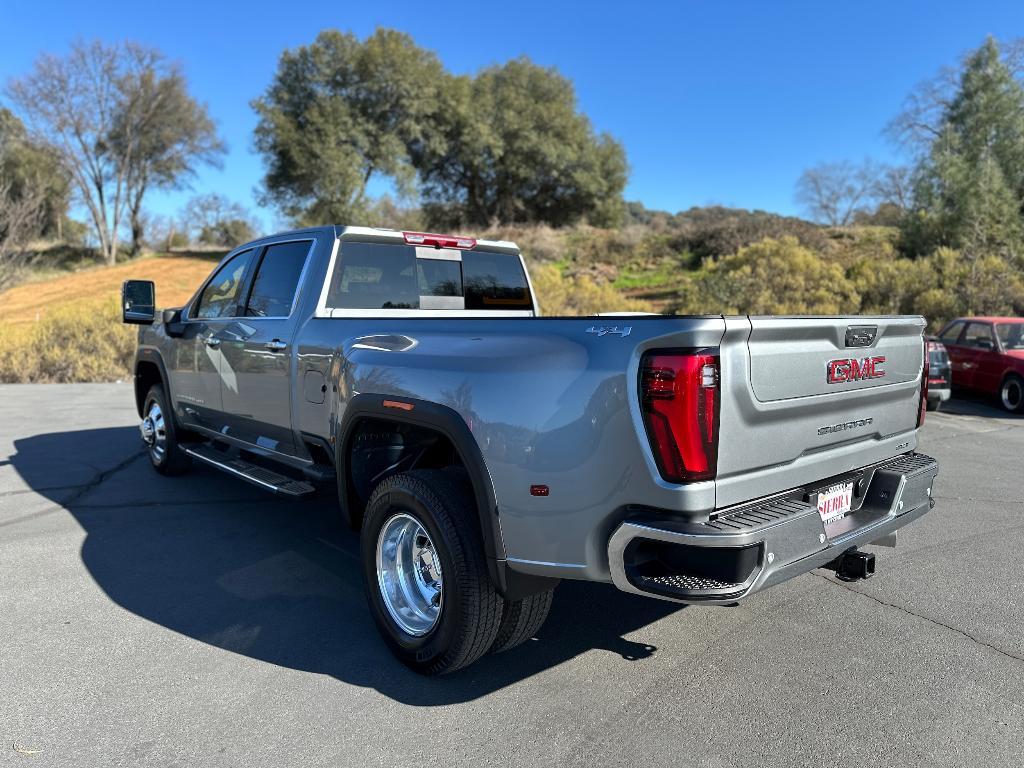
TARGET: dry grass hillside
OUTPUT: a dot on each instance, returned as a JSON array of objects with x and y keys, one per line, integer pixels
[
  {"x": 68, "y": 328},
  {"x": 176, "y": 278}
]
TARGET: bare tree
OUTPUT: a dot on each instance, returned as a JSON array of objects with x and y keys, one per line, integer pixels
[
  {"x": 114, "y": 115},
  {"x": 20, "y": 217},
  {"x": 895, "y": 186},
  {"x": 215, "y": 220},
  {"x": 171, "y": 133},
  {"x": 920, "y": 121},
  {"x": 833, "y": 193},
  {"x": 72, "y": 104}
]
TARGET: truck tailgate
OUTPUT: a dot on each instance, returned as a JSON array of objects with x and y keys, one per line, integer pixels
[{"x": 808, "y": 398}]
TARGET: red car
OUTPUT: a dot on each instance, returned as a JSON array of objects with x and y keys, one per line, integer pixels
[{"x": 987, "y": 354}]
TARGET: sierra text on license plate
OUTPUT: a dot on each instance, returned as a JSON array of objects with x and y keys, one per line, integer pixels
[{"x": 835, "y": 502}]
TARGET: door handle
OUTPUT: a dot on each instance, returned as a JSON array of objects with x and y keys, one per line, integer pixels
[
  {"x": 276, "y": 345},
  {"x": 212, "y": 342}
]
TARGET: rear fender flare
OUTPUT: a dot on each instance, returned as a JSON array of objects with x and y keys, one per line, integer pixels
[
  {"x": 447, "y": 422},
  {"x": 441, "y": 419}
]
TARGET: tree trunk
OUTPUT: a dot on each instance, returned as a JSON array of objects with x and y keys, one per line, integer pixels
[{"x": 137, "y": 232}]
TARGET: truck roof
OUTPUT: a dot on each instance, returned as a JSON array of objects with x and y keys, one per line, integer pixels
[{"x": 384, "y": 233}]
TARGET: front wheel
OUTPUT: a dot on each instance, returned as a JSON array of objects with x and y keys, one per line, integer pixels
[
  {"x": 160, "y": 434},
  {"x": 1011, "y": 394},
  {"x": 425, "y": 572}
]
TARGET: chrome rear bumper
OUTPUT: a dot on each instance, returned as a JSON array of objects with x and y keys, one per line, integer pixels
[{"x": 755, "y": 545}]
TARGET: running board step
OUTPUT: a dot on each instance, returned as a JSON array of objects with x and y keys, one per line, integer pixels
[{"x": 264, "y": 478}]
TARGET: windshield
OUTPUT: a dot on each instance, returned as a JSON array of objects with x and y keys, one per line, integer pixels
[{"x": 1010, "y": 335}]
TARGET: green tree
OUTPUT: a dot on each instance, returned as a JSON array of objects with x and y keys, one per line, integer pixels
[
  {"x": 970, "y": 181},
  {"x": 27, "y": 169},
  {"x": 340, "y": 112},
  {"x": 514, "y": 148}
]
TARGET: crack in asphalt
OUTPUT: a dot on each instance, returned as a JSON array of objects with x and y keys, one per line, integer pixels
[
  {"x": 97, "y": 480},
  {"x": 929, "y": 619}
]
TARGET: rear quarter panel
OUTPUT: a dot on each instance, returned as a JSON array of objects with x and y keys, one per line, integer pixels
[{"x": 547, "y": 402}]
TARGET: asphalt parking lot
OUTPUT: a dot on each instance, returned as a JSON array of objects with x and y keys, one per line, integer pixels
[{"x": 147, "y": 621}]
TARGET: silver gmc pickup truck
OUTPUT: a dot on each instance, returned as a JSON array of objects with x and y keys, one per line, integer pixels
[{"x": 484, "y": 452}]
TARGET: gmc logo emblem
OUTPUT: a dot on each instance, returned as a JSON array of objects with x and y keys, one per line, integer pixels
[{"x": 852, "y": 369}]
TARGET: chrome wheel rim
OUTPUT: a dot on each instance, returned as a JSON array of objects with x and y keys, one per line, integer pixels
[
  {"x": 154, "y": 432},
  {"x": 1012, "y": 395},
  {"x": 409, "y": 574}
]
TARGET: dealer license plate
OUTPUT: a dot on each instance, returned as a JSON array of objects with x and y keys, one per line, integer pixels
[{"x": 835, "y": 502}]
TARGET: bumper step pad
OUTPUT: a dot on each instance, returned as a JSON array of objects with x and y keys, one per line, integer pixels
[{"x": 756, "y": 545}]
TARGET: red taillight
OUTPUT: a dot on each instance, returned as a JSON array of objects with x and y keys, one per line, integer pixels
[
  {"x": 439, "y": 241},
  {"x": 922, "y": 407},
  {"x": 679, "y": 401}
]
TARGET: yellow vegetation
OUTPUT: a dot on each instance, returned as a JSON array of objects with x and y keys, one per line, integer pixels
[{"x": 69, "y": 328}]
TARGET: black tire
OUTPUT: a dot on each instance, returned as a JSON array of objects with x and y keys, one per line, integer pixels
[
  {"x": 933, "y": 405},
  {"x": 521, "y": 620},
  {"x": 1011, "y": 394},
  {"x": 470, "y": 607},
  {"x": 172, "y": 460}
]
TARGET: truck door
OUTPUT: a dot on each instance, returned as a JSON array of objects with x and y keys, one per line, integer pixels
[
  {"x": 988, "y": 375},
  {"x": 196, "y": 363},
  {"x": 256, "y": 368},
  {"x": 957, "y": 354},
  {"x": 976, "y": 347}
]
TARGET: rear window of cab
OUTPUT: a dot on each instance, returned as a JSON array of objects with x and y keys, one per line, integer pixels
[{"x": 370, "y": 276}]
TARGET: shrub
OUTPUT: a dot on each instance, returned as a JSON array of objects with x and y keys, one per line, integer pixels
[
  {"x": 713, "y": 232},
  {"x": 80, "y": 341},
  {"x": 560, "y": 295},
  {"x": 777, "y": 277}
]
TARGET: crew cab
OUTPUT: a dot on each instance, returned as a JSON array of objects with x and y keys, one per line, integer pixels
[{"x": 484, "y": 452}]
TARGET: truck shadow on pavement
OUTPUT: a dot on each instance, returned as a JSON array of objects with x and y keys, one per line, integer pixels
[{"x": 218, "y": 561}]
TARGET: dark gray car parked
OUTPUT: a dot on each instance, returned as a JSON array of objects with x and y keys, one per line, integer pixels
[{"x": 485, "y": 452}]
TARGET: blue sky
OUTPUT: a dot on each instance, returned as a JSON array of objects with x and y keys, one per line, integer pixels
[{"x": 716, "y": 102}]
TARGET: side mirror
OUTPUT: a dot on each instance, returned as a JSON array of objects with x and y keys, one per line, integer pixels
[{"x": 138, "y": 302}]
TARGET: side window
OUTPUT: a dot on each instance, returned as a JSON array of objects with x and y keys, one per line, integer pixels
[
  {"x": 979, "y": 335},
  {"x": 221, "y": 295},
  {"x": 277, "y": 279},
  {"x": 495, "y": 281},
  {"x": 1011, "y": 335},
  {"x": 952, "y": 333},
  {"x": 375, "y": 277}
]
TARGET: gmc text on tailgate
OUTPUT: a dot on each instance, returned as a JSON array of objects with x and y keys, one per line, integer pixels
[{"x": 485, "y": 453}]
